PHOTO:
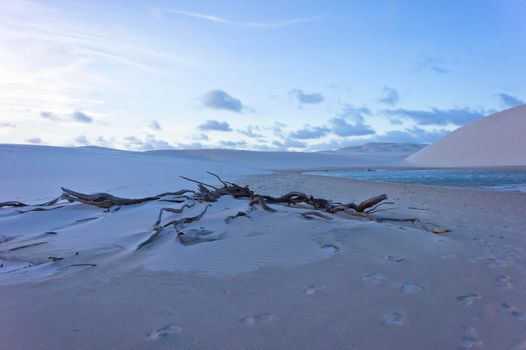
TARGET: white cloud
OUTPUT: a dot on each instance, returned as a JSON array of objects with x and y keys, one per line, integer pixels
[
  {"x": 34, "y": 140},
  {"x": 306, "y": 98},
  {"x": 81, "y": 140},
  {"x": 146, "y": 143},
  {"x": 508, "y": 100},
  {"x": 219, "y": 99},
  {"x": 214, "y": 125},
  {"x": 390, "y": 96},
  {"x": 81, "y": 117},
  {"x": 342, "y": 128},
  {"x": 154, "y": 124},
  {"x": 309, "y": 132}
]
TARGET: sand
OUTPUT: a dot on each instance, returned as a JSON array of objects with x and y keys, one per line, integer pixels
[{"x": 271, "y": 281}]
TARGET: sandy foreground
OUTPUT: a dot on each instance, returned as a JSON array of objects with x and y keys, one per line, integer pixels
[{"x": 274, "y": 280}]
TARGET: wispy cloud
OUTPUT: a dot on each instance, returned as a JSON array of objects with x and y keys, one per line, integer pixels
[
  {"x": 81, "y": 140},
  {"x": 81, "y": 117},
  {"x": 353, "y": 113},
  {"x": 146, "y": 143},
  {"x": 214, "y": 125},
  {"x": 437, "y": 116},
  {"x": 431, "y": 63},
  {"x": 55, "y": 56},
  {"x": 288, "y": 144},
  {"x": 34, "y": 140},
  {"x": 341, "y": 128},
  {"x": 200, "y": 137},
  {"x": 76, "y": 116},
  {"x": 413, "y": 135},
  {"x": 273, "y": 24},
  {"x": 306, "y": 98},
  {"x": 154, "y": 124},
  {"x": 251, "y": 131},
  {"x": 309, "y": 132},
  {"x": 50, "y": 116},
  {"x": 390, "y": 96},
  {"x": 233, "y": 144},
  {"x": 219, "y": 99},
  {"x": 54, "y": 27},
  {"x": 507, "y": 100}
]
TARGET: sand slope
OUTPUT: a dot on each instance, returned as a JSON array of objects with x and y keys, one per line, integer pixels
[{"x": 496, "y": 140}]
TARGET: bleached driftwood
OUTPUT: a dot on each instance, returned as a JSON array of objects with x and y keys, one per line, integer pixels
[{"x": 207, "y": 193}]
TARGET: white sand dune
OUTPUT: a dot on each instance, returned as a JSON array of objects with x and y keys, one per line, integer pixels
[
  {"x": 370, "y": 154},
  {"x": 38, "y": 172},
  {"x": 496, "y": 140}
]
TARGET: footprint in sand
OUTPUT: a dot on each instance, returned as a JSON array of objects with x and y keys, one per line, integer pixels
[
  {"x": 258, "y": 319},
  {"x": 394, "y": 318},
  {"x": 470, "y": 339},
  {"x": 372, "y": 279},
  {"x": 468, "y": 299},
  {"x": 514, "y": 311},
  {"x": 165, "y": 331},
  {"x": 503, "y": 281},
  {"x": 410, "y": 288},
  {"x": 311, "y": 290},
  {"x": 4, "y": 238},
  {"x": 330, "y": 249},
  {"x": 395, "y": 259}
]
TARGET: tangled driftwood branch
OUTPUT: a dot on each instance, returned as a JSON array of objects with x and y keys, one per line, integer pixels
[
  {"x": 12, "y": 204},
  {"x": 209, "y": 193},
  {"x": 228, "y": 219},
  {"x": 309, "y": 215},
  {"x": 106, "y": 200}
]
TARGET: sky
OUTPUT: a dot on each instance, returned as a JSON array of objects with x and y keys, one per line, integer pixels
[{"x": 257, "y": 75}]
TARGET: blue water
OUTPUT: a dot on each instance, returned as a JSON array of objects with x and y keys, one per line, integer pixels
[{"x": 498, "y": 179}]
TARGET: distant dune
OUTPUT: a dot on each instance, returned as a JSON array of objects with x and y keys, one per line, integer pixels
[
  {"x": 104, "y": 169},
  {"x": 496, "y": 140},
  {"x": 379, "y": 147},
  {"x": 369, "y": 154}
]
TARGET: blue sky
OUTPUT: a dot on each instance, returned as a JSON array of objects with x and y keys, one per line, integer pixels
[{"x": 262, "y": 75}]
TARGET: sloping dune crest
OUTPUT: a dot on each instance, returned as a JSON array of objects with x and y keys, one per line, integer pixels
[{"x": 496, "y": 140}]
